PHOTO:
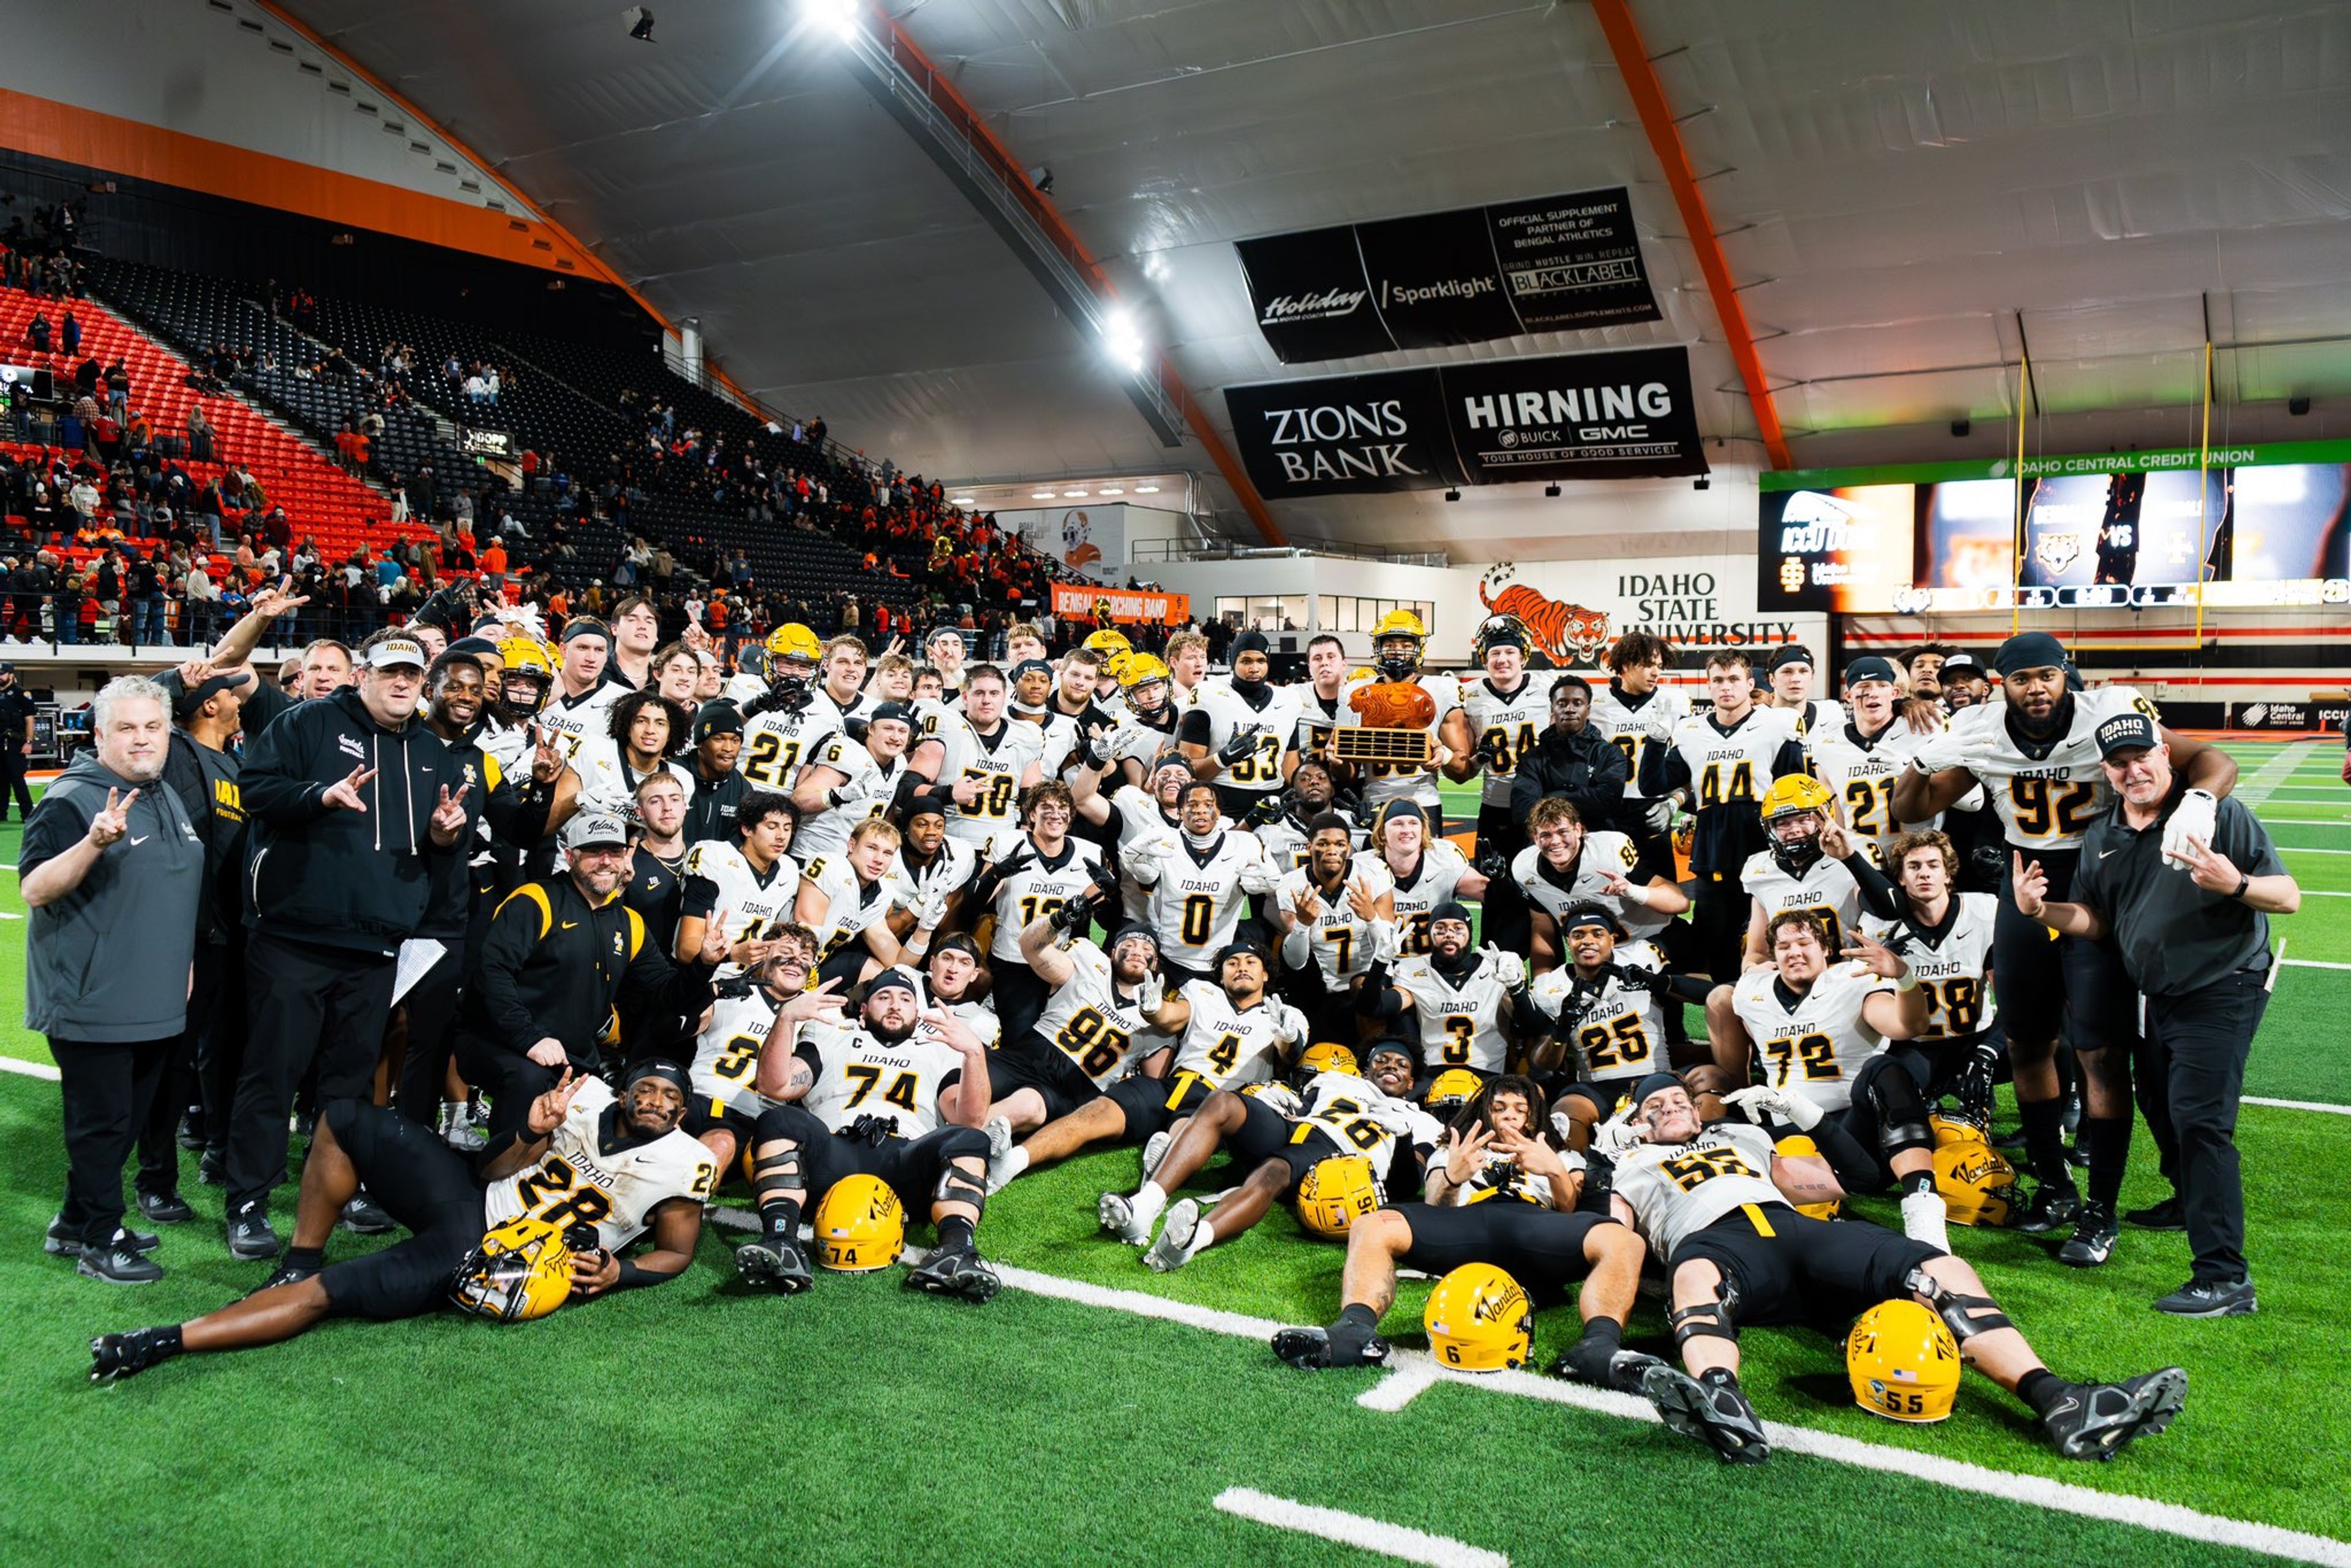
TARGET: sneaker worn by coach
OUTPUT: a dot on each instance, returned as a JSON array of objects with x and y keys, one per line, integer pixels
[
  {"x": 363, "y": 1216},
  {"x": 250, "y": 1239},
  {"x": 2052, "y": 1209},
  {"x": 165, "y": 1207},
  {"x": 2165, "y": 1216},
  {"x": 118, "y": 1262},
  {"x": 2210, "y": 1299},
  {"x": 61, "y": 1241},
  {"x": 2096, "y": 1420},
  {"x": 2093, "y": 1238}
]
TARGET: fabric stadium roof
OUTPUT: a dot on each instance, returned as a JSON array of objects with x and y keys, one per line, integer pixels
[{"x": 1905, "y": 193}]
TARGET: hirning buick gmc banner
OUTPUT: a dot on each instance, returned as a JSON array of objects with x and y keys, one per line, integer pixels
[
  {"x": 1624, "y": 415},
  {"x": 1553, "y": 263}
]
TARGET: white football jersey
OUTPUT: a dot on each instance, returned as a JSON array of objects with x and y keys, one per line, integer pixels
[
  {"x": 607, "y": 782},
  {"x": 858, "y": 1075},
  {"x": 1826, "y": 891},
  {"x": 1041, "y": 887},
  {"x": 868, "y": 789},
  {"x": 1511, "y": 721},
  {"x": 745, "y": 904},
  {"x": 1639, "y": 727},
  {"x": 1352, "y": 1113},
  {"x": 1317, "y": 718},
  {"x": 571, "y": 722},
  {"x": 1057, "y": 738},
  {"x": 1861, "y": 773},
  {"x": 1099, "y": 1029},
  {"x": 1501, "y": 1179},
  {"x": 1953, "y": 964},
  {"x": 726, "y": 1069},
  {"x": 1729, "y": 768},
  {"x": 849, "y": 904},
  {"x": 1140, "y": 742},
  {"x": 2047, "y": 795},
  {"x": 1340, "y": 943},
  {"x": 1385, "y": 781},
  {"x": 977, "y": 1017},
  {"x": 1812, "y": 1044},
  {"x": 1430, "y": 885},
  {"x": 952, "y": 871},
  {"x": 616, "y": 1190},
  {"x": 1138, "y": 817},
  {"x": 1677, "y": 1190},
  {"x": 1554, "y": 891},
  {"x": 1285, "y": 841},
  {"x": 1229, "y": 1046},
  {"x": 1618, "y": 1030},
  {"x": 1218, "y": 713},
  {"x": 1001, "y": 762},
  {"x": 1195, "y": 898},
  {"x": 1816, "y": 716},
  {"x": 1460, "y": 1026},
  {"x": 775, "y": 744}
]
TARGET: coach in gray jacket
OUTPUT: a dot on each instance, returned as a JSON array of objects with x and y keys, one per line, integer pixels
[{"x": 113, "y": 870}]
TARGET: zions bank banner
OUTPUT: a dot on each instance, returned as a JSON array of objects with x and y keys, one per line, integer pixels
[
  {"x": 1626, "y": 414},
  {"x": 1549, "y": 265}
]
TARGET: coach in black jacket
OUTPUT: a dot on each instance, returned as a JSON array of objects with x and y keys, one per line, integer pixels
[
  {"x": 1573, "y": 760},
  {"x": 352, "y": 805}
]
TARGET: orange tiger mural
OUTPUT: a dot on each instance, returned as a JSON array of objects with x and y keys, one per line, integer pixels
[{"x": 1563, "y": 632}]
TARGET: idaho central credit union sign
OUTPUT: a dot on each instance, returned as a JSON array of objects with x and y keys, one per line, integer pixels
[{"x": 1624, "y": 415}]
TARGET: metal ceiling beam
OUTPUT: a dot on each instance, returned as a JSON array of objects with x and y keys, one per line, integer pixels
[
  {"x": 1633, "y": 63},
  {"x": 893, "y": 69}
]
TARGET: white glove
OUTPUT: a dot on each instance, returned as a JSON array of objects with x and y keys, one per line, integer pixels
[
  {"x": 1149, "y": 850},
  {"x": 1660, "y": 816},
  {"x": 1294, "y": 1029},
  {"x": 1280, "y": 1097},
  {"x": 1383, "y": 934},
  {"x": 1756, "y": 1102},
  {"x": 2193, "y": 818},
  {"x": 1613, "y": 1140},
  {"x": 1128, "y": 736},
  {"x": 929, "y": 908},
  {"x": 1510, "y": 969}
]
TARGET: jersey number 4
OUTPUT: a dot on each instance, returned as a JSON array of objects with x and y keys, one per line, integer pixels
[
  {"x": 900, "y": 1093},
  {"x": 1720, "y": 786}
]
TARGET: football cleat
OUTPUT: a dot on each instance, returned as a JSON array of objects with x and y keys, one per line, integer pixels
[
  {"x": 1130, "y": 1219},
  {"x": 114, "y": 1355},
  {"x": 955, "y": 1271},
  {"x": 2050, "y": 1211},
  {"x": 1180, "y": 1240},
  {"x": 1154, "y": 1149},
  {"x": 286, "y": 1273},
  {"x": 1716, "y": 1414},
  {"x": 1003, "y": 1167},
  {"x": 2093, "y": 1238},
  {"x": 775, "y": 1260},
  {"x": 2096, "y": 1420},
  {"x": 61, "y": 1241},
  {"x": 1314, "y": 1350},
  {"x": 1597, "y": 1365},
  {"x": 999, "y": 1137}
]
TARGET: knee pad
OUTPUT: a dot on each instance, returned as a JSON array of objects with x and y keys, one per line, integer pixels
[
  {"x": 338, "y": 1116},
  {"x": 963, "y": 1144},
  {"x": 955, "y": 1187},
  {"x": 775, "y": 1165},
  {"x": 1965, "y": 1316},
  {"x": 785, "y": 1122},
  {"x": 1706, "y": 1320},
  {"x": 1894, "y": 1099}
]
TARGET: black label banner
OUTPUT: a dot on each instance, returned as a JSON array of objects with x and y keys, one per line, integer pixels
[
  {"x": 1626, "y": 414},
  {"x": 1552, "y": 264}
]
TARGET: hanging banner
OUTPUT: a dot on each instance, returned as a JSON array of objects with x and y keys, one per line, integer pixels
[
  {"x": 1552, "y": 264},
  {"x": 1088, "y": 606},
  {"x": 1624, "y": 415}
]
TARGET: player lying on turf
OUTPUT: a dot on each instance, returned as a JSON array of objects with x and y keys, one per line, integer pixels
[
  {"x": 1505, "y": 1194},
  {"x": 1342, "y": 1138},
  {"x": 581, "y": 1159},
  {"x": 1714, "y": 1202}
]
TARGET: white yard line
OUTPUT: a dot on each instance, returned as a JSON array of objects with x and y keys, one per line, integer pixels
[
  {"x": 2297, "y": 1106},
  {"x": 2307, "y": 850},
  {"x": 2311, "y": 964},
  {"x": 2058, "y": 1497},
  {"x": 2271, "y": 776},
  {"x": 1398, "y": 1541},
  {"x": 29, "y": 1069}
]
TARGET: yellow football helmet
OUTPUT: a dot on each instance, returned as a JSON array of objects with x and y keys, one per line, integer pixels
[
  {"x": 1454, "y": 1087},
  {"x": 795, "y": 641},
  {"x": 860, "y": 1226},
  {"x": 1794, "y": 792},
  {"x": 1142, "y": 676},
  {"x": 1325, "y": 1056},
  {"x": 1478, "y": 1320},
  {"x": 1903, "y": 1362},
  {"x": 1978, "y": 1184},
  {"x": 1108, "y": 641},
  {"x": 1796, "y": 1146},
  {"x": 1957, "y": 1127},
  {"x": 527, "y": 654},
  {"x": 1334, "y": 1191},
  {"x": 1395, "y": 626},
  {"x": 521, "y": 1271}
]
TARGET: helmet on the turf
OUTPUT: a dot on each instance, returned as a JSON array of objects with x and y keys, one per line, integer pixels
[
  {"x": 1796, "y": 1146},
  {"x": 860, "y": 1226},
  {"x": 521, "y": 1269},
  {"x": 1978, "y": 1184},
  {"x": 1400, "y": 663},
  {"x": 1478, "y": 1320},
  {"x": 1957, "y": 1127},
  {"x": 1903, "y": 1362},
  {"x": 1334, "y": 1191},
  {"x": 1454, "y": 1087},
  {"x": 1786, "y": 806},
  {"x": 1326, "y": 1056}
]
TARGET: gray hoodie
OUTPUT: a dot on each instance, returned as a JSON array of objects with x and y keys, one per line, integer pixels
[{"x": 109, "y": 961}]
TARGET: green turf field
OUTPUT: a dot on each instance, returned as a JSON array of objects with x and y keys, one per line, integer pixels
[{"x": 863, "y": 1424}]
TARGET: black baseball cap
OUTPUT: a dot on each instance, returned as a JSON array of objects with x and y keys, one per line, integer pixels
[
  {"x": 1869, "y": 668},
  {"x": 1961, "y": 665},
  {"x": 2127, "y": 732}
]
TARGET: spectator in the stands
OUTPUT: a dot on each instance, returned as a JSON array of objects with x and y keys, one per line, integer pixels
[{"x": 200, "y": 436}]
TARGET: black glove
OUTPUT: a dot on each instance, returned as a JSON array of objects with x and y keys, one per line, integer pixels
[
  {"x": 1976, "y": 1082},
  {"x": 1493, "y": 749},
  {"x": 875, "y": 1130},
  {"x": 1077, "y": 916},
  {"x": 1266, "y": 813},
  {"x": 1493, "y": 865},
  {"x": 1656, "y": 982},
  {"x": 1243, "y": 742}
]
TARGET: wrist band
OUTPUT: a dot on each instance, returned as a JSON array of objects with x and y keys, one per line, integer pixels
[
  {"x": 2244, "y": 885},
  {"x": 1908, "y": 982}
]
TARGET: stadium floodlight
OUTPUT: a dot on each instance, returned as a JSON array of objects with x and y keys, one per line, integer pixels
[
  {"x": 962, "y": 500},
  {"x": 1147, "y": 489},
  {"x": 1114, "y": 489},
  {"x": 839, "y": 17},
  {"x": 1123, "y": 340},
  {"x": 1042, "y": 494}
]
